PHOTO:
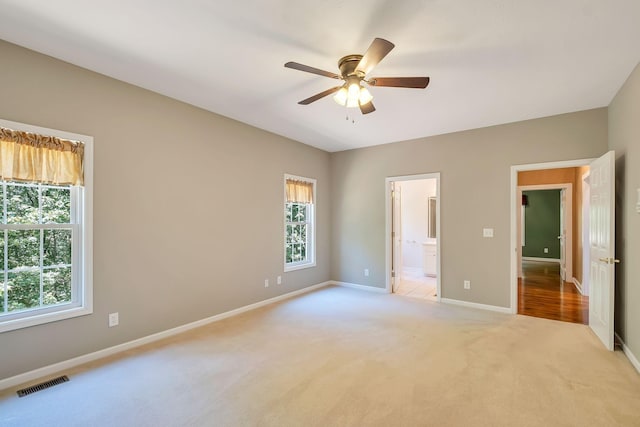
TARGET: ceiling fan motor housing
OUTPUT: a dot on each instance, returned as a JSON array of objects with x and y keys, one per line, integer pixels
[{"x": 348, "y": 64}]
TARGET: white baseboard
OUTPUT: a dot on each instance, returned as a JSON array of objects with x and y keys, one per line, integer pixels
[
  {"x": 532, "y": 258},
  {"x": 578, "y": 285},
  {"x": 627, "y": 352},
  {"x": 361, "y": 287},
  {"x": 67, "y": 364},
  {"x": 506, "y": 310}
]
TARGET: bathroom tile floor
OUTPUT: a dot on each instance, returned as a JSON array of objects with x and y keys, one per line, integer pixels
[{"x": 416, "y": 285}]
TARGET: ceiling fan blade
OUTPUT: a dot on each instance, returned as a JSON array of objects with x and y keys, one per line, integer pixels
[
  {"x": 411, "y": 82},
  {"x": 306, "y": 68},
  {"x": 379, "y": 49},
  {"x": 319, "y": 95},
  {"x": 367, "y": 108}
]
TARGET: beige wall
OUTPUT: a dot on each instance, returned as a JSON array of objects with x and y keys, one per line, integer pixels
[
  {"x": 475, "y": 193},
  {"x": 187, "y": 213},
  {"x": 170, "y": 246},
  {"x": 624, "y": 138},
  {"x": 564, "y": 176}
]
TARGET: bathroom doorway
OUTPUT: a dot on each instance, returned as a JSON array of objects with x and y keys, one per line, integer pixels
[{"x": 413, "y": 238}]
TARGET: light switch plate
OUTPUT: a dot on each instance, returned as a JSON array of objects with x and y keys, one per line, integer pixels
[
  {"x": 113, "y": 320},
  {"x": 487, "y": 232}
]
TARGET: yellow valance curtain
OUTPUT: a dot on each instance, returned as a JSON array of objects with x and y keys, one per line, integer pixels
[
  {"x": 299, "y": 191},
  {"x": 30, "y": 157}
]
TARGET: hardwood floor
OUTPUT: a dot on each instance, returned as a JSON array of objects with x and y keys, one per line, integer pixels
[{"x": 542, "y": 293}]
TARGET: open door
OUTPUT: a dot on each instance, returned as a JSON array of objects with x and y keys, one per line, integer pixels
[
  {"x": 396, "y": 236},
  {"x": 602, "y": 245}
]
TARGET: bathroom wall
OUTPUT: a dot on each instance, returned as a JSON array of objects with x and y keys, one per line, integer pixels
[{"x": 414, "y": 215}]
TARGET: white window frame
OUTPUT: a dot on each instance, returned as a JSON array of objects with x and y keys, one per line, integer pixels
[
  {"x": 82, "y": 243},
  {"x": 311, "y": 230}
]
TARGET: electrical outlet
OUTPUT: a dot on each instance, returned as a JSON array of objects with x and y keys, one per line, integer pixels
[
  {"x": 366, "y": 272},
  {"x": 266, "y": 283},
  {"x": 113, "y": 320},
  {"x": 546, "y": 250},
  {"x": 279, "y": 280},
  {"x": 467, "y": 284}
]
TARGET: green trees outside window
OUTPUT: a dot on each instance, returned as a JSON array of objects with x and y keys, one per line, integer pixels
[
  {"x": 36, "y": 234},
  {"x": 296, "y": 239}
]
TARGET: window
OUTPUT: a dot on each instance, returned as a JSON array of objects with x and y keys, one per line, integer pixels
[
  {"x": 45, "y": 234},
  {"x": 299, "y": 239}
]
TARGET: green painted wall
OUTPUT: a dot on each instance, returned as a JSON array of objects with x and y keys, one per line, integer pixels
[{"x": 542, "y": 224}]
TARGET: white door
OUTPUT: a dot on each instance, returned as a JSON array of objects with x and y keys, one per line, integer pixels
[
  {"x": 602, "y": 245},
  {"x": 563, "y": 235},
  {"x": 396, "y": 236}
]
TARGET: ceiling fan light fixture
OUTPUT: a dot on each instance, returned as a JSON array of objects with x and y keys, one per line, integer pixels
[
  {"x": 353, "y": 94},
  {"x": 365, "y": 96},
  {"x": 341, "y": 96}
]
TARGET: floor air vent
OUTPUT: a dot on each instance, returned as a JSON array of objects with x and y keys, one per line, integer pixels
[{"x": 29, "y": 390}]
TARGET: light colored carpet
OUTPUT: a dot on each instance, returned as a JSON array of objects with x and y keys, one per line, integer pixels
[{"x": 342, "y": 357}]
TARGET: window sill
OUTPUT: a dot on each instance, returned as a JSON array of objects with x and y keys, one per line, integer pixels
[
  {"x": 288, "y": 268},
  {"x": 39, "y": 319}
]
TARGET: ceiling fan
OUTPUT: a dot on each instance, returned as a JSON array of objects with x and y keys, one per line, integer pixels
[{"x": 353, "y": 71}]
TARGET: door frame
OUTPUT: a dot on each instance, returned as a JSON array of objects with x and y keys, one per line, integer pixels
[
  {"x": 514, "y": 211},
  {"x": 568, "y": 209},
  {"x": 388, "y": 226},
  {"x": 584, "y": 233},
  {"x": 396, "y": 235}
]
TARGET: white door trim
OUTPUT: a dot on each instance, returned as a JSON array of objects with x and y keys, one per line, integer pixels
[
  {"x": 568, "y": 244},
  {"x": 388, "y": 226},
  {"x": 396, "y": 232},
  {"x": 584, "y": 233},
  {"x": 514, "y": 211}
]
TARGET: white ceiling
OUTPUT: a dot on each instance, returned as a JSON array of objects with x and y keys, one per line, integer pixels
[{"x": 490, "y": 61}]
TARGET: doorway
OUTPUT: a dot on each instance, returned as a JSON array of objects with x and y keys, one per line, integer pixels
[
  {"x": 601, "y": 239},
  {"x": 549, "y": 250},
  {"x": 550, "y": 254},
  {"x": 546, "y": 223},
  {"x": 413, "y": 236}
]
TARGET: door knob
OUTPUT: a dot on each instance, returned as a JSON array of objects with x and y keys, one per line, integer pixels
[{"x": 609, "y": 260}]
